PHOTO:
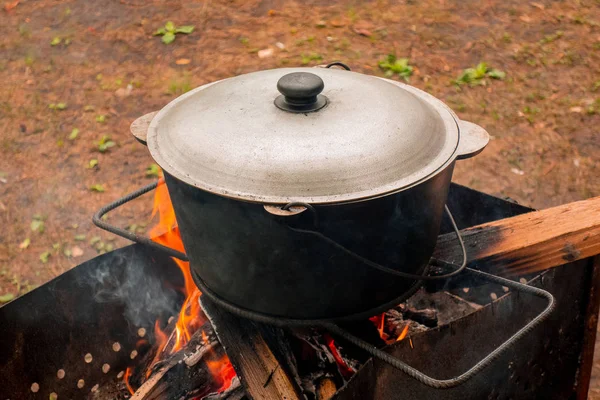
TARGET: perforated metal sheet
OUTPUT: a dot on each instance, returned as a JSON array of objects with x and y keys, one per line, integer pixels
[{"x": 82, "y": 329}]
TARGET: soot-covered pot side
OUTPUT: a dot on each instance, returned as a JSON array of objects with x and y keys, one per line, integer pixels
[
  {"x": 252, "y": 259},
  {"x": 247, "y": 252}
]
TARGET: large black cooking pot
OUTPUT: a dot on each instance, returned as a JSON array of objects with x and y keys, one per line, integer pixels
[{"x": 290, "y": 184}]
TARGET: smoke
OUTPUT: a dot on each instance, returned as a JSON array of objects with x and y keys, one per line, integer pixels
[{"x": 128, "y": 280}]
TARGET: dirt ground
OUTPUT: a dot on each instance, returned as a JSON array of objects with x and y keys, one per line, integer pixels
[{"x": 95, "y": 66}]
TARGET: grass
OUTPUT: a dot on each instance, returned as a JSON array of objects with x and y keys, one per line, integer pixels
[
  {"x": 177, "y": 87},
  {"x": 396, "y": 66},
  {"x": 169, "y": 31},
  {"x": 308, "y": 58},
  {"x": 478, "y": 75}
]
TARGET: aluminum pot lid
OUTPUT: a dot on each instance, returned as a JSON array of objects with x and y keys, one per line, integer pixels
[{"x": 314, "y": 135}]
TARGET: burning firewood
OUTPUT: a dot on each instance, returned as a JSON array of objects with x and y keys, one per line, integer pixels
[{"x": 188, "y": 373}]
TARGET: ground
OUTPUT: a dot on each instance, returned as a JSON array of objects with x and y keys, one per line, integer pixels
[{"x": 95, "y": 66}]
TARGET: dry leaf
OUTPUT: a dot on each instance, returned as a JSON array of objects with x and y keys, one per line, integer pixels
[
  {"x": 538, "y": 5},
  {"x": 549, "y": 168},
  {"x": 76, "y": 251},
  {"x": 525, "y": 18},
  {"x": 183, "y": 61},
  {"x": 336, "y": 23},
  {"x": 362, "y": 31},
  {"x": 576, "y": 109},
  {"x": 10, "y": 5}
]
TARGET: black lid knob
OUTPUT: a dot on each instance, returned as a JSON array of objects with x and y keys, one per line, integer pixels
[{"x": 300, "y": 92}]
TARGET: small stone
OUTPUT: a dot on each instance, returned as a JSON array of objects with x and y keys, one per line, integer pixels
[
  {"x": 265, "y": 53},
  {"x": 76, "y": 251},
  {"x": 124, "y": 92},
  {"x": 576, "y": 109}
]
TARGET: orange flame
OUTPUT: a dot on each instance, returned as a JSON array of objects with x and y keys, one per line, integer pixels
[
  {"x": 379, "y": 322},
  {"x": 128, "y": 372},
  {"x": 402, "y": 334},
  {"x": 190, "y": 316},
  {"x": 166, "y": 233}
]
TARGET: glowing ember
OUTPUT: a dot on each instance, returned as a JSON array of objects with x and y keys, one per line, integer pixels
[
  {"x": 222, "y": 372},
  {"x": 402, "y": 334},
  {"x": 190, "y": 316},
  {"x": 344, "y": 368}
]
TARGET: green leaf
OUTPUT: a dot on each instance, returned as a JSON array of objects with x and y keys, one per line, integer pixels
[
  {"x": 61, "y": 106},
  {"x": 496, "y": 74},
  {"x": 481, "y": 69},
  {"x": 25, "y": 244},
  {"x": 55, "y": 41},
  {"x": 97, "y": 188},
  {"x": 168, "y": 37},
  {"x": 5, "y": 298},
  {"x": 44, "y": 256},
  {"x": 160, "y": 31},
  {"x": 153, "y": 170},
  {"x": 80, "y": 237},
  {"x": 101, "y": 118},
  {"x": 88, "y": 108},
  {"x": 74, "y": 134},
  {"x": 93, "y": 162},
  {"x": 37, "y": 225},
  {"x": 185, "y": 29},
  {"x": 170, "y": 27},
  {"x": 56, "y": 246},
  {"x": 102, "y": 147},
  {"x": 67, "y": 252},
  {"x": 95, "y": 240}
]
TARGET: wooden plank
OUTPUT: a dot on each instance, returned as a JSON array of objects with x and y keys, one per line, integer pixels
[
  {"x": 589, "y": 334},
  {"x": 259, "y": 354},
  {"x": 529, "y": 242}
]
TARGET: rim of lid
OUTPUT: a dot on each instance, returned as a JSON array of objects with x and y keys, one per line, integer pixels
[{"x": 187, "y": 147}]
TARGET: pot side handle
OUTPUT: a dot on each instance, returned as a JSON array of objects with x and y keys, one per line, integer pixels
[
  {"x": 473, "y": 140},
  {"x": 139, "y": 127}
]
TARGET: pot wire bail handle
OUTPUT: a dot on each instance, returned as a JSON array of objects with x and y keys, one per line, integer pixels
[
  {"x": 338, "y": 64},
  {"x": 97, "y": 220},
  {"x": 486, "y": 361},
  {"x": 371, "y": 263}
]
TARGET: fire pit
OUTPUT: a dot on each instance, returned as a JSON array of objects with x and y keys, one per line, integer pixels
[{"x": 113, "y": 325}]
